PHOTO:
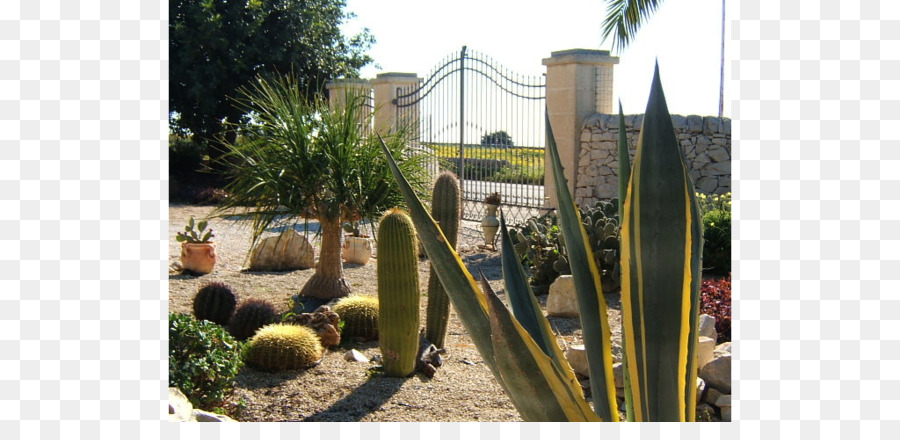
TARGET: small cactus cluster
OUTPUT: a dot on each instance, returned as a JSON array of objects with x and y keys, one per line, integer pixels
[
  {"x": 280, "y": 347},
  {"x": 250, "y": 316},
  {"x": 359, "y": 315},
  {"x": 445, "y": 209},
  {"x": 323, "y": 321},
  {"x": 215, "y": 302},
  {"x": 538, "y": 243},
  {"x": 398, "y": 293},
  {"x": 601, "y": 222}
]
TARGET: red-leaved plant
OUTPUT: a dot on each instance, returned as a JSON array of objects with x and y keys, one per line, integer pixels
[{"x": 715, "y": 300}]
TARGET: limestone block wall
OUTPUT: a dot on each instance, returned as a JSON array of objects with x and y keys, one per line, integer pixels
[{"x": 706, "y": 141}]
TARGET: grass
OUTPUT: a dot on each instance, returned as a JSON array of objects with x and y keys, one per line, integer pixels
[{"x": 525, "y": 164}]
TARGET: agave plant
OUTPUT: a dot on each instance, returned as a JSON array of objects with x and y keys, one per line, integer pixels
[{"x": 661, "y": 245}]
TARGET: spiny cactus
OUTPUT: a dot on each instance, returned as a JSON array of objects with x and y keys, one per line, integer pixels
[
  {"x": 250, "y": 316},
  {"x": 323, "y": 321},
  {"x": 279, "y": 347},
  {"x": 398, "y": 293},
  {"x": 359, "y": 315},
  {"x": 445, "y": 209},
  {"x": 215, "y": 302},
  {"x": 538, "y": 244},
  {"x": 601, "y": 222}
]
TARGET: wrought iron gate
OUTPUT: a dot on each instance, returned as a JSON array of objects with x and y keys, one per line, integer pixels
[{"x": 485, "y": 123}]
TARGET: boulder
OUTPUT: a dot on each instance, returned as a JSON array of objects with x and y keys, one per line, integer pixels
[
  {"x": 179, "y": 406},
  {"x": 206, "y": 416},
  {"x": 717, "y": 374},
  {"x": 287, "y": 251},
  {"x": 705, "y": 347},
  {"x": 707, "y": 327},
  {"x": 562, "y": 301},
  {"x": 577, "y": 358},
  {"x": 724, "y": 404},
  {"x": 722, "y": 349}
]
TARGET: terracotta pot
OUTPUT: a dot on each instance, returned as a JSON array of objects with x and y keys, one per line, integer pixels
[
  {"x": 198, "y": 257},
  {"x": 357, "y": 250},
  {"x": 490, "y": 224}
]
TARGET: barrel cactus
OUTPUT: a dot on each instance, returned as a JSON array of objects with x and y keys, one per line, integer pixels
[
  {"x": 398, "y": 293},
  {"x": 215, "y": 302},
  {"x": 250, "y": 316},
  {"x": 445, "y": 209},
  {"x": 279, "y": 347},
  {"x": 359, "y": 315}
]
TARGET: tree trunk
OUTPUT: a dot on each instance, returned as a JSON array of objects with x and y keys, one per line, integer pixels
[{"x": 328, "y": 281}]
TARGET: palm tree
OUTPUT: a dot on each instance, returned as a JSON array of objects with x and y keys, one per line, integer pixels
[
  {"x": 297, "y": 159},
  {"x": 625, "y": 17}
]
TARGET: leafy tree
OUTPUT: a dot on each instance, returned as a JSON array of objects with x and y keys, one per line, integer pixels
[
  {"x": 301, "y": 158},
  {"x": 497, "y": 139},
  {"x": 218, "y": 46}
]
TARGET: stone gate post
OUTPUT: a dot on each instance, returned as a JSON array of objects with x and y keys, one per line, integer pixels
[
  {"x": 579, "y": 83},
  {"x": 341, "y": 89},
  {"x": 387, "y": 87}
]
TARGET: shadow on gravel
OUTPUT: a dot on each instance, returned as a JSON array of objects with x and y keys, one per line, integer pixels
[{"x": 365, "y": 399}]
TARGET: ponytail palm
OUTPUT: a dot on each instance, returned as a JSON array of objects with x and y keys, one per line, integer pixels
[{"x": 298, "y": 158}]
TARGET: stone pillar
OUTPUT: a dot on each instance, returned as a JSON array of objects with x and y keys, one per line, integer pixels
[
  {"x": 342, "y": 89},
  {"x": 573, "y": 93},
  {"x": 387, "y": 87}
]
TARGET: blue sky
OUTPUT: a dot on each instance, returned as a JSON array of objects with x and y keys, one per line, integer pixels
[{"x": 684, "y": 35}]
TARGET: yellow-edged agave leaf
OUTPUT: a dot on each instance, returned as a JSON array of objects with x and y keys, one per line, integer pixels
[
  {"x": 591, "y": 303},
  {"x": 661, "y": 253},
  {"x": 472, "y": 309},
  {"x": 624, "y": 177},
  {"x": 543, "y": 392}
]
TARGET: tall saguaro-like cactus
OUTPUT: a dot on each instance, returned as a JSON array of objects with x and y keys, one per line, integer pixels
[
  {"x": 445, "y": 209},
  {"x": 398, "y": 293}
]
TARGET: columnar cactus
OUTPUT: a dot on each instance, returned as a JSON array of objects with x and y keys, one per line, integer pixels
[
  {"x": 215, "y": 302},
  {"x": 398, "y": 293},
  {"x": 250, "y": 316},
  {"x": 445, "y": 209}
]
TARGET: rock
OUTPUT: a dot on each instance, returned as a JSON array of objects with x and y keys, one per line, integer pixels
[
  {"x": 562, "y": 302},
  {"x": 179, "y": 406},
  {"x": 287, "y": 251},
  {"x": 577, "y": 358},
  {"x": 706, "y": 413},
  {"x": 718, "y": 155},
  {"x": 707, "y": 327},
  {"x": 705, "y": 347},
  {"x": 724, "y": 404},
  {"x": 355, "y": 356},
  {"x": 722, "y": 349},
  {"x": 701, "y": 387},
  {"x": 717, "y": 373},
  {"x": 206, "y": 416},
  {"x": 712, "y": 395}
]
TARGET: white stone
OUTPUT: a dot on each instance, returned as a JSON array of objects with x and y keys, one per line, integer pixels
[
  {"x": 706, "y": 326},
  {"x": 206, "y": 416},
  {"x": 701, "y": 387},
  {"x": 577, "y": 358},
  {"x": 717, "y": 373},
  {"x": 705, "y": 347},
  {"x": 355, "y": 356},
  {"x": 179, "y": 406},
  {"x": 561, "y": 301},
  {"x": 722, "y": 349},
  {"x": 286, "y": 251}
]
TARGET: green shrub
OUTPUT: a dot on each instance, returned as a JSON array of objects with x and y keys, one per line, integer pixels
[
  {"x": 203, "y": 360},
  {"x": 713, "y": 202},
  {"x": 717, "y": 241}
]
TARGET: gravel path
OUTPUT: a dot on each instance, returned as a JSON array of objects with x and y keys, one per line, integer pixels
[{"x": 337, "y": 390}]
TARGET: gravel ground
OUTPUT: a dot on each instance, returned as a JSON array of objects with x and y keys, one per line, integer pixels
[{"x": 463, "y": 389}]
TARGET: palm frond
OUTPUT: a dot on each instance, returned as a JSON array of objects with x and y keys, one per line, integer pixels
[{"x": 624, "y": 18}]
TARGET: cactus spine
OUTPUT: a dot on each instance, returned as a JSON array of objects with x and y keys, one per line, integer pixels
[
  {"x": 398, "y": 293},
  {"x": 445, "y": 209}
]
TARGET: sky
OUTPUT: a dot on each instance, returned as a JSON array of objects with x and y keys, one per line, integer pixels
[{"x": 683, "y": 35}]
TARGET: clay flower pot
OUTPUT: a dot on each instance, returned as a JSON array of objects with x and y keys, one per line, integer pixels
[
  {"x": 198, "y": 257},
  {"x": 357, "y": 250}
]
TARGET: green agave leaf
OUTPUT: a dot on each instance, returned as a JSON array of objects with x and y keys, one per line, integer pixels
[
  {"x": 661, "y": 254},
  {"x": 591, "y": 303},
  {"x": 471, "y": 306}
]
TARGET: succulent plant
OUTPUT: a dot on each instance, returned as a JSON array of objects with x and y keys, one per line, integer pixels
[
  {"x": 601, "y": 222},
  {"x": 195, "y": 236},
  {"x": 279, "y": 347},
  {"x": 492, "y": 199},
  {"x": 398, "y": 293},
  {"x": 250, "y": 316},
  {"x": 323, "y": 321},
  {"x": 445, "y": 209},
  {"x": 359, "y": 315},
  {"x": 215, "y": 302},
  {"x": 539, "y": 245}
]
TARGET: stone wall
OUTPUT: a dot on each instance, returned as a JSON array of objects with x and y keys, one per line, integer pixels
[{"x": 706, "y": 141}]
